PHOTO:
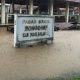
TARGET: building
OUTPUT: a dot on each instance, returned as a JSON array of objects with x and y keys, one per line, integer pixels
[{"x": 41, "y": 7}]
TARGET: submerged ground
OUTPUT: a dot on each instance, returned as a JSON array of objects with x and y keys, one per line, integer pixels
[{"x": 62, "y": 58}]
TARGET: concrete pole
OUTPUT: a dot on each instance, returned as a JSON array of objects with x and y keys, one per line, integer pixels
[
  {"x": 31, "y": 7},
  {"x": 12, "y": 7},
  {"x": 50, "y": 7},
  {"x": 3, "y": 16},
  {"x": 8, "y": 8},
  {"x": 79, "y": 9},
  {"x": 27, "y": 8},
  {"x": 73, "y": 11},
  {"x": 79, "y": 15},
  {"x": 20, "y": 10},
  {"x": 67, "y": 12}
]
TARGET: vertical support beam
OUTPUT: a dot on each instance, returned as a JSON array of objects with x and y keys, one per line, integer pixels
[
  {"x": 67, "y": 12},
  {"x": 12, "y": 6},
  {"x": 27, "y": 8},
  {"x": 73, "y": 11},
  {"x": 31, "y": 7},
  {"x": 3, "y": 12},
  {"x": 50, "y": 7},
  {"x": 79, "y": 15},
  {"x": 79, "y": 9},
  {"x": 20, "y": 10},
  {"x": 8, "y": 8}
]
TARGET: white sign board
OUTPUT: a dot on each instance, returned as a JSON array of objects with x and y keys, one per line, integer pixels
[{"x": 29, "y": 28}]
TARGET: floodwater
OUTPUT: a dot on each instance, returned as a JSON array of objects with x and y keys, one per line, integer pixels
[{"x": 40, "y": 61}]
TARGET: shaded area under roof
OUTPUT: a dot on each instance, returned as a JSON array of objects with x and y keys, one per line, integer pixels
[{"x": 59, "y": 3}]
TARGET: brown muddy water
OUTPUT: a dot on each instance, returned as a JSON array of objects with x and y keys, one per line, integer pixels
[{"x": 40, "y": 61}]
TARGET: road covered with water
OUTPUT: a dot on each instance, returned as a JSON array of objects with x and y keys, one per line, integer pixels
[{"x": 40, "y": 61}]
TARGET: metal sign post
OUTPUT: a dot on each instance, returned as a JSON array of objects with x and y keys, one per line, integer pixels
[{"x": 29, "y": 28}]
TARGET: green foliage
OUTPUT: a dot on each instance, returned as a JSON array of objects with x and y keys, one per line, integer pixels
[
  {"x": 75, "y": 78},
  {"x": 59, "y": 78}
]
